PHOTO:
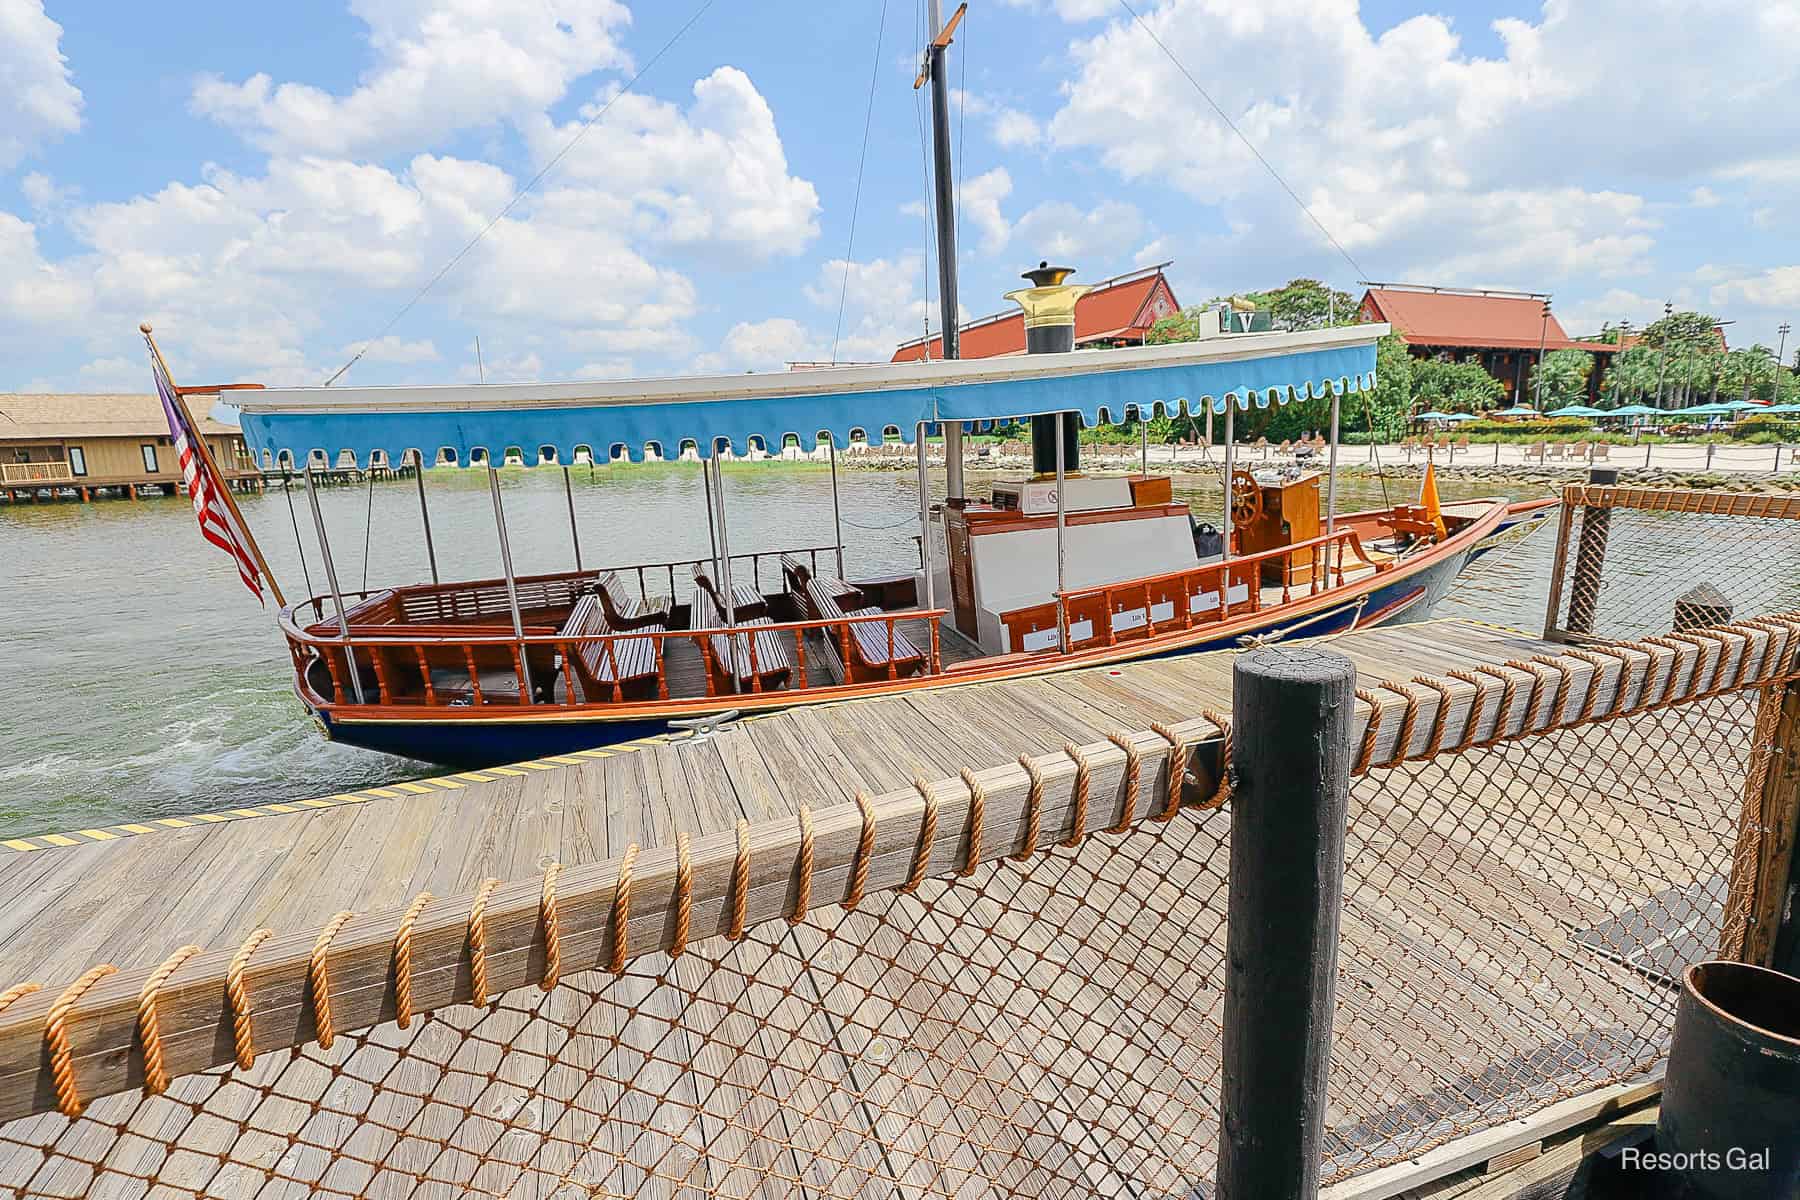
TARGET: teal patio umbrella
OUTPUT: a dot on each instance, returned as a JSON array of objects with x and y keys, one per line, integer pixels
[
  {"x": 1518, "y": 410},
  {"x": 1635, "y": 410},
  {"x": 1703, "y": 410},
  {"x": 1462, "y": 417},
  {"x": 1740, "y": 405},
  {"x": 1783, "y": 409},
  {"x": 1576, "y": 410},
  {"x": 1433, "y": 415}
]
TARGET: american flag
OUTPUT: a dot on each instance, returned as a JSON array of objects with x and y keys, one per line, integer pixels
[{"x": 217, "y": 523}]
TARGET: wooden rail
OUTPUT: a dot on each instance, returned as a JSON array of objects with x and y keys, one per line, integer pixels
[
  {"x": 44, "y": 472},
  {"x": 195, "y": 1021},
  {"x": 396, "y": 660},
  {"x": 1175, "y": 588}
]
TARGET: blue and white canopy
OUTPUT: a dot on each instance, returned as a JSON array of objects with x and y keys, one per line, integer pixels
[{"x": 287, "y": 424}]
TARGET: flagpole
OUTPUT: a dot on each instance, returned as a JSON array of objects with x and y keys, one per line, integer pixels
[{"x": 206, "y": 457}]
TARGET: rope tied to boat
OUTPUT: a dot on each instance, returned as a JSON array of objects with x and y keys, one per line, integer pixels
[{"x": 156, "y": 1075}]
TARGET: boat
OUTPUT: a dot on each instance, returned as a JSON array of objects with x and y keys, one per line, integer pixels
[{"x": 1056, "y": 571}]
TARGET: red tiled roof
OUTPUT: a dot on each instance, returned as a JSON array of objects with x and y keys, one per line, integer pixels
[
  {"x": 1125, "y": 307},
  {"x": 1466, "y": 320}
]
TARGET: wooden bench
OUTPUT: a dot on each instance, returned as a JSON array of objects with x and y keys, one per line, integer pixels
[
  {"x": 625, "y": 612},
  {"x": 800, "y": 582},
  {"x": 744, "y": 662},
  {"x": 747, "y": 602},
  {"x": 618, "y": 668},
  {"x": 861, "y": 650}
]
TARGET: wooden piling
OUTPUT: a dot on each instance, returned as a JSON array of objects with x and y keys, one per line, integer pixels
[
  {"x": 1292, "y": 713},
  {"x": 1590, "y": 558}
]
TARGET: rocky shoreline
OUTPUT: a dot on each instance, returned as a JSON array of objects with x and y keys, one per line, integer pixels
[{"x": 1548, "y": 479}]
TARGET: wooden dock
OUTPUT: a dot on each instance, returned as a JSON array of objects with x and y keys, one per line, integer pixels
[
  {"x": 129, "y": 899},
  {"x": 75, "y": 899}
]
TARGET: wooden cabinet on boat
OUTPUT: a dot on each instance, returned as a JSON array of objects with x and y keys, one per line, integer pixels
[{"x": 1290, "y": 514}]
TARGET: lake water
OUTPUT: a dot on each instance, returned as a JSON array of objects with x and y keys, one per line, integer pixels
[{"x": 139, "y": 679}]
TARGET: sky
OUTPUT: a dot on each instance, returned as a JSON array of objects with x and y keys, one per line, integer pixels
[{"x": 274, "y": 186}]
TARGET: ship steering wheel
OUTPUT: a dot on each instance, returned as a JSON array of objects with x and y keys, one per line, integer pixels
[{"x": 1246, "y": 497}]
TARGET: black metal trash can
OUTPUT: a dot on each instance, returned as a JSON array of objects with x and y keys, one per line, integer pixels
[{"x": 1730, "y": 1121}]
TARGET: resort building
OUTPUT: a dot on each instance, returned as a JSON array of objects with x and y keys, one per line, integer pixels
[
  {"x": 1503, "y": 331},
  {"x": 1118, "y": 312},
  {"x": 83, "y": 445}
]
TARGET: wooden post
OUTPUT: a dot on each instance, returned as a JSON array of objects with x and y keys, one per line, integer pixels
[
  {"x": 1291, "y": 717},
  {"x": 1590, "y": 558},
  {"x": 1762, "y": 927}
]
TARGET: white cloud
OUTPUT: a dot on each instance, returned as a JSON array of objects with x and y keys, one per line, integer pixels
[
  {"x": 1015, "y": 129},
  {"x": 979, "y": 206},
  {"x": 34, "y": 294},
  {"x": 1704, "y": 197},
  {"x": 392, "y": 349},
  {"x": 439, "y": 66},
  {"x": 244, "y": 270},
  {"x": 714, "y": 176},
  {"x": 1060, "y": 232},
  {"x": 38, "y": 103},
  {"x": 1776, "y": 287},
  {"x": 1457, "y": 174}
]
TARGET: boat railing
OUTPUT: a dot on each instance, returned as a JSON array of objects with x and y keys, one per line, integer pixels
[
  {"x": 401, "y": 664},
  {"x": 476, "y": 599},
  {"x": 681, "y": 569},
  {"x": 1319, "y": 560}
]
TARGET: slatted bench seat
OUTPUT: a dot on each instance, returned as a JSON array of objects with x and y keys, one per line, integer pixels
[
  {"x": 624, "y": 611},
  {"x": 624, "y": 668},
  {"x": 747, "y": 602},
  {"x": 866, "y": 641},
  {"x": 801, "y": 583},
  {"x": 745, "y": 662}
]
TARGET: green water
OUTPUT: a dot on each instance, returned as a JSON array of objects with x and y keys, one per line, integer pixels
[{"x": 139, "y": 679}]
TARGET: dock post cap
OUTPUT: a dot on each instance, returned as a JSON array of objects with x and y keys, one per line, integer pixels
[{"x": 1296, "y": 664}]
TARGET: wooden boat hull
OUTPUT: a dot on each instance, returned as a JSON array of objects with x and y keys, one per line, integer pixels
[{"x": 474, "y": 738}]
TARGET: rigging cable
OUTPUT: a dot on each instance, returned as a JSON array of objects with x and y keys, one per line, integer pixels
[
  {"x": 1248, "y": 144},
  {"x": 368, "y": 523},
  {"x": 524, "y": 191},
  {"x": 287, "y": 488},
  {"x": 856, "y": 202}
]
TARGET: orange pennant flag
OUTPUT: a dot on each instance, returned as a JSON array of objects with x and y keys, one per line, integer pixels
[{"x": 1428, "y": 499}]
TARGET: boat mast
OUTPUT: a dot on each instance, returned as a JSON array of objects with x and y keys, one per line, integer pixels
[{"x": 943, "y": 189}]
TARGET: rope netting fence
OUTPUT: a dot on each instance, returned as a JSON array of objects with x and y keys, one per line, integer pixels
[
  {"x": 1626, "y": 560},
  {"x": 1534, "y": 851}
]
